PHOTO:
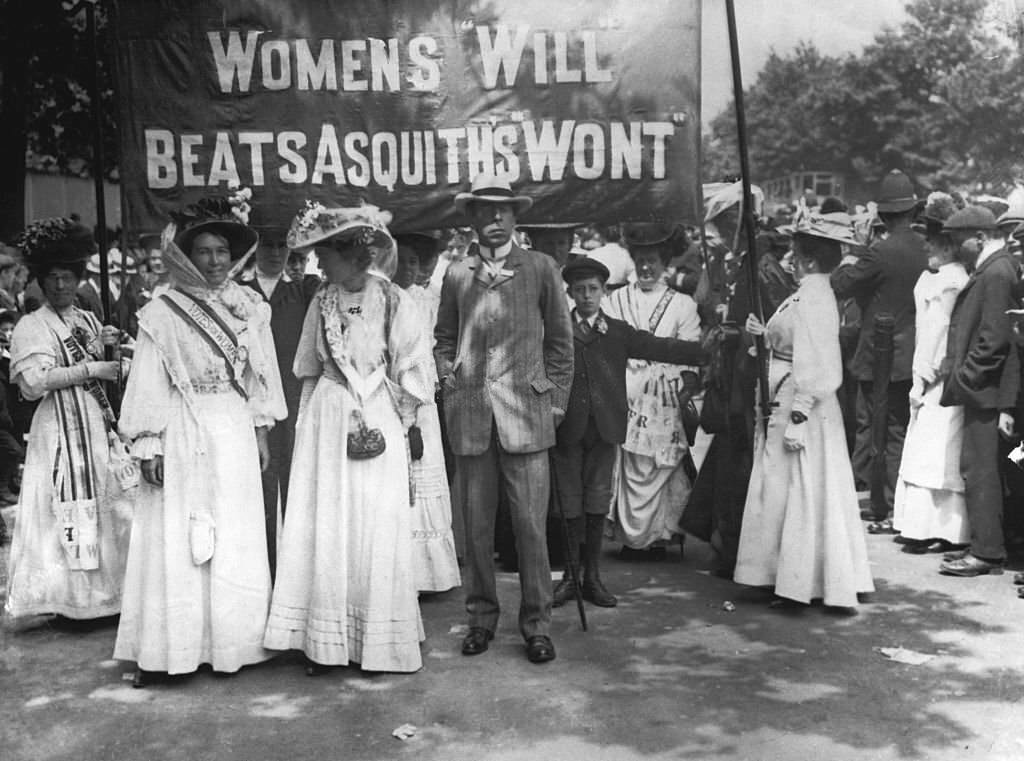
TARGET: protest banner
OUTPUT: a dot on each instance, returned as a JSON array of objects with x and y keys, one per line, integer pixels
[{"x": 592, "y": 109}]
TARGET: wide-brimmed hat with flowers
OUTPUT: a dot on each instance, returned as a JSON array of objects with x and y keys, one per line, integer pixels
[
  {"x": 227, "y": 216},
  {"x": 55, "y": 241},
  {"x": 364, "y": 225}
]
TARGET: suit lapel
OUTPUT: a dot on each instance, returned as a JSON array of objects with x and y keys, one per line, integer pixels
[{"x": 508, "y": 268}]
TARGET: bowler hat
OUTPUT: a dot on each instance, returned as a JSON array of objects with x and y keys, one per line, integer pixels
[
  {"x": 971, "y": 218},
  {"x": 896, "y": 193},
  {"x": 489, "y": 188},
  {"x": 583, "y": 266}
]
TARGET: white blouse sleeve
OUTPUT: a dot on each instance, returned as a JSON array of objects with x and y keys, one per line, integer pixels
[
  {"x": 263, "y": 386},
  {"x": 147, "y": 399},
  {"x": 411, "y": 368},
  {"x": 817, "y": 364}
]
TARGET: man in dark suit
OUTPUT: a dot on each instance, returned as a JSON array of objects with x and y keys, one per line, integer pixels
[
  {"x": 288, "y": 301},
  {"x": 983, "y": 376},
  {"x": 595, "y": 420},
  {"x": 882, "y": 281},
  {"x": 504, "y": 357}
]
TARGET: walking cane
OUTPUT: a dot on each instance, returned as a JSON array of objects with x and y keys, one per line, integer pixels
[
  {"x": 882, "y": 340},
  {"x": 574, "y": 571}
]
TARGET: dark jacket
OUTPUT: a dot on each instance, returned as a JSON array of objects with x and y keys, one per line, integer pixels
[
  {"x": 288, "y": 304},
  {"x": 981, "y": 369},
  {"x": 882, "y": 280},
  {"x": 599, "y": 378}
]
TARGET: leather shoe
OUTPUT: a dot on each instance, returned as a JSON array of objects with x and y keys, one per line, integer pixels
[
  {"x": 970, "y": 565},
  {"x": 957, "y": 554},
  {"x": 539, "y": 649},
  {"x": 476, "y": 641},
  {"x": 595, "y": 592},
  {"x": 565, "y": 591}
]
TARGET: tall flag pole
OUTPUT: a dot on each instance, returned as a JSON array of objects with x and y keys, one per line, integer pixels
[{"x": 748, "y": 220}]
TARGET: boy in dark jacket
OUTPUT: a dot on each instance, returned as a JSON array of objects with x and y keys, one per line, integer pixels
[{"x": 595, "y": 419}]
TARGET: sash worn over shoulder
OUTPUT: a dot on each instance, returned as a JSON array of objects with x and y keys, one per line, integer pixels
[
  {"x": 212, "y": 329},
  {"x": 75, "y": 479}
]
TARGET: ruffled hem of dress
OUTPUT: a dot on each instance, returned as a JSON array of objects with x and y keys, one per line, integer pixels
[{"x": 337, "y": 639}]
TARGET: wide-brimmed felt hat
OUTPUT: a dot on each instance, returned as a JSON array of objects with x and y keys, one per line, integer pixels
[
  {"x": 217, "y": 215},
  {"x": 896, "y": 193},
  {"x": 641, "y": 234},
  {"x": 971, "y": 218},
  {"x": 362, "y": 225},
  {"x": 55, "y": 241},
  {"x": 584, "y": 266},
  {"x": 488, "y": 188}
]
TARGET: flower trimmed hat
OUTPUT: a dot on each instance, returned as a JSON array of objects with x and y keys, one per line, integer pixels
[
  {"x": 364, "y": 225},
  {"x": 55, "y": 241},
  {"x": 227, "y": 216}
]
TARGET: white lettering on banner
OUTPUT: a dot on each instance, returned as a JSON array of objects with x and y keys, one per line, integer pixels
[
  {"x": 426, "y": 75},
  {"x": 328, "y": 157},
  {"x": 234, "y": 60},
  {"x": 502, "y": 54},
  {"x": 375, "y": 64},
  {"x": 318, "y": 74},
  {"x": 288, "y": 146},
  {"x": 537, "y": 151},
  {"x": 161, "y": 168},
  {"x": 278, "y": 50}
]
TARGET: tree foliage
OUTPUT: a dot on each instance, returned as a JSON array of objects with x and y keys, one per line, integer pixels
[{"x": 936, "y": 97}]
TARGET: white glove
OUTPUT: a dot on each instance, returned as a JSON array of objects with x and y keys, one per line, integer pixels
[{"x": 793, "y": 438}]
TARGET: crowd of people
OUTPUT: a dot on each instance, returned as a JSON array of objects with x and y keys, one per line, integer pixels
[{"x": 250, "y": 458}]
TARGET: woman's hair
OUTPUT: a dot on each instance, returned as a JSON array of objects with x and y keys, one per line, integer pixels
[
  {"x": 353, "y": 249},
  {"x": 665, "y": 251},
  {"x": 41, "y": 270},
  {"x": 827, "y": 253}
]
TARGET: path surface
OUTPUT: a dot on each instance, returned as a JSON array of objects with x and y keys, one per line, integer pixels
[{"x": 669, "y": 674}]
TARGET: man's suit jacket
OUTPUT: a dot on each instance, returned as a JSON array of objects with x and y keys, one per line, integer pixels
[
  {"x": 599, "y": 376},
  {"x": 503, "y": 352},
  {"x": 981, "y": 367},
  {"x": 288, "y": 304},
  {"x": 883, "y": 280}
]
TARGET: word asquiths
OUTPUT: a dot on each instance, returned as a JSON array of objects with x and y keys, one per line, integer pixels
[{"x": 533, "y": 150}]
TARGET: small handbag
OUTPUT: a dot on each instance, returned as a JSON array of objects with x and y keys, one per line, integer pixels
[{"x": 364, "y": 443}]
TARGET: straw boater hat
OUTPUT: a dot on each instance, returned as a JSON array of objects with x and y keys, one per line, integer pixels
[
  {"x": 217, "y": 215},
  {"x": 488, "y": 188},
  {"x": 896, "y": 193}
]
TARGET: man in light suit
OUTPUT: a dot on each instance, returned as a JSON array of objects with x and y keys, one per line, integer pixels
[
  {"x": 983, "y": 375},
  {"x": 504, "y": 355}
]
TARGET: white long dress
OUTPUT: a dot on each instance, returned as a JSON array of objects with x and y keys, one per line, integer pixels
[
  {"x": 181, "y": 610},
  {"x": 929, "y": 500},
  {"x": 345, "y": 590},
  {"x": 650, "y": 488},
  {"x": 44, "y": 575},
  {"x": 801, "y": 529},
  {"x": 435, "y": 563}
]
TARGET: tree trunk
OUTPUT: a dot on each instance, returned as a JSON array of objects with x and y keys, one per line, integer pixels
[{"x": 17, "y": 18}]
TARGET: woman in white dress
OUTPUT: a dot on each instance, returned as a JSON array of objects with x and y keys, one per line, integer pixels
[
  {"x": 801, "y": 530},
  {"x": 345, "y": 590},
  {"x": 929, "y": 508},
  {"x": 203, "y": 391},
  {"x": 71, "y": 535},
  {"x": 435, "y": 563},
  {"x": 650, "y": 487}
]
